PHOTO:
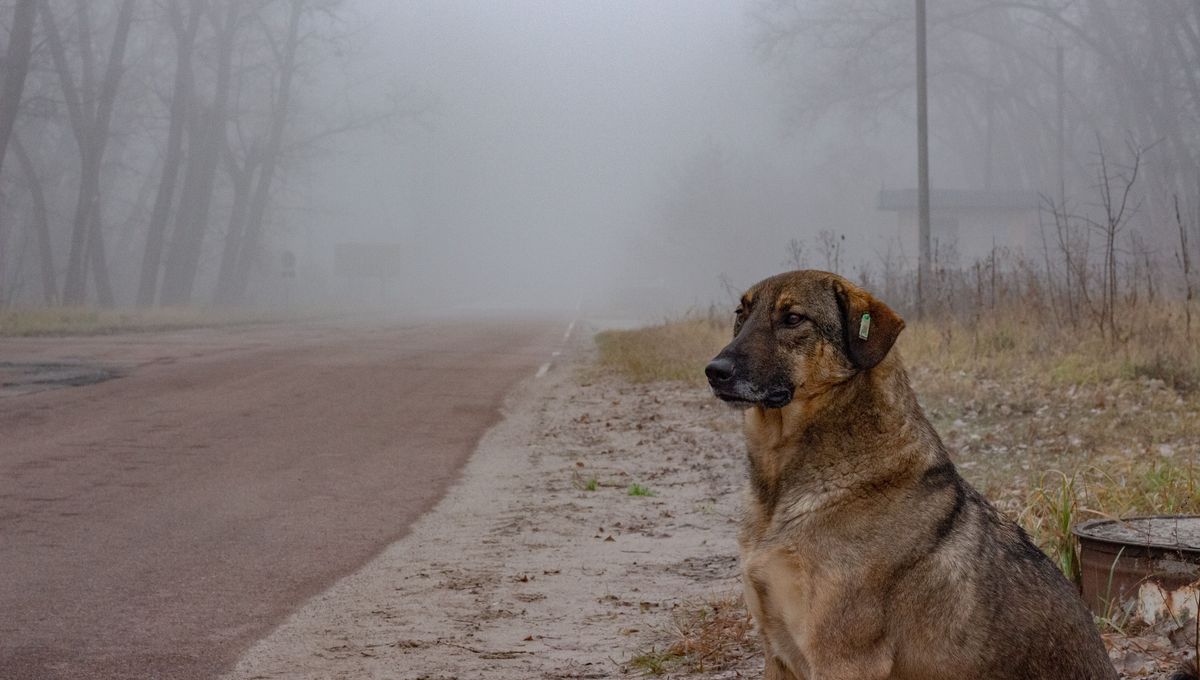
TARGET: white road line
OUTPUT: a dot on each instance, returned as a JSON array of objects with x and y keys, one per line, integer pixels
[{"x": 544, "y": 368}]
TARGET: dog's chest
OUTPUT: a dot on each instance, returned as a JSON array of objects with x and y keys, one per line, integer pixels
[
  {"x": 785, "y": 599},
  {"x": 801, "y": 578}
]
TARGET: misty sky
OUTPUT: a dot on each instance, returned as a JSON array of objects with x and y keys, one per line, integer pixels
[
  {"x": 599, "y": 150},
  {"x": 556, "y": 128}
]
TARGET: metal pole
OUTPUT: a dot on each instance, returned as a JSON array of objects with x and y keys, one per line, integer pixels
[
  {"x": 923, "y": 270},
  {"x": 1060, "y": 87}
]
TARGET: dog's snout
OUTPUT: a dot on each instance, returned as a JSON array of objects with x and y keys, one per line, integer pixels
[{"x": 719, "y": 370}]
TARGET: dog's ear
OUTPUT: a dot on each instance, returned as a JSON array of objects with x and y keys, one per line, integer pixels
[{"x": 869, "y": 327}]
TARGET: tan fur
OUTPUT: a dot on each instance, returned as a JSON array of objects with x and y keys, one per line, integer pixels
[{"x": 864, "y": 555}]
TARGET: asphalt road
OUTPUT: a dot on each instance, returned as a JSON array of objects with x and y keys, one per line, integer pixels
[{"x": 153, "y": 525}]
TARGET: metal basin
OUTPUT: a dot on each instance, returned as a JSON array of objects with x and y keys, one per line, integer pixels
[{"x": 1145, "y": 567}]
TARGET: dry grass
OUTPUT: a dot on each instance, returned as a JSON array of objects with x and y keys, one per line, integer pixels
[
  {"x": 40, "y": 321},
  {"x": 671, "y": 351},
  {"x": 1000, "y": 342},
  {"x": 1119, "y": 488},
  {"x": 706, "y": 636},
  {"x": 1057, "y": 425},
  {"x": 1054, "y": 423}
]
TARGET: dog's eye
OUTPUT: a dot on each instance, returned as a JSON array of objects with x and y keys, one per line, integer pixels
[{"x": 792, "y": 319}]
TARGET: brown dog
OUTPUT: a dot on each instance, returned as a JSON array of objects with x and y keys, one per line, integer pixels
[{"x": 864, "y": 554}]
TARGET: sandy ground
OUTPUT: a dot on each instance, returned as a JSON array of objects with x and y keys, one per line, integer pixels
[{"x": 520, "y": 572}]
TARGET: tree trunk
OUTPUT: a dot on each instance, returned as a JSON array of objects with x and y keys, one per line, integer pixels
[
  {"x": 41, "y": 223},
  {"x": 181, "y": 100},
  {"x": 91, "y": 130},
  {"x": 191, "y": 224},
  {"x": 243, "y": 182},
  {"x": 270, "y": 160},
  {"x": 16, "y": 67},
  {"x": 104, "y": 289},
  {"x": 5, "y": 295}
]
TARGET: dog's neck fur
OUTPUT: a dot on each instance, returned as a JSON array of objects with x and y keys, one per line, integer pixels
[{"x": 841, "y": 440}]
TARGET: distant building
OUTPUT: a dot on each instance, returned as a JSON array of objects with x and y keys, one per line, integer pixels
[{"x": 967, "y": 222}]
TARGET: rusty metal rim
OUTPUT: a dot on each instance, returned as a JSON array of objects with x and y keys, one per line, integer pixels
[{"x": 1080, "y": 529}]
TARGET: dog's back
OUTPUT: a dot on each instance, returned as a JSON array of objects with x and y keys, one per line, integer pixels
[{"x": 1005, "y": 610}]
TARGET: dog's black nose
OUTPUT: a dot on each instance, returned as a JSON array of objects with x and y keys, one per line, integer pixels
[{"x": 719, "y": 370}]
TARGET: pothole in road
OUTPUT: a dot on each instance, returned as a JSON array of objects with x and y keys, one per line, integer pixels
[{"x": 23, "y": 378}]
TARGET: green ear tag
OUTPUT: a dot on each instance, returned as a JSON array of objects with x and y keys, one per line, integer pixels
[{"x": 864, "y": 326}]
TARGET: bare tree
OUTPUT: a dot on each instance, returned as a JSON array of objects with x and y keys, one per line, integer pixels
[
  {"x": 15, "y": 69},
  {"x": 185, "y": 30},
  {"x": 241, "y": 176},
  {"x": 797, "y": 258},
  {"x": 253, "y": 165},
  {"x": 1183, "y": 255},
  {"x": 205, "y": 144},
  {"x": 1130, "y": 70},
  {"x": 90, "y": 121},
  {"x": 233, "y": 283},
  {"x": 1117, "y": 209},
  {"x": 86, "y": 142},
  {"x": 831, "y": 249},
  {"x": 40, "y": 222}
]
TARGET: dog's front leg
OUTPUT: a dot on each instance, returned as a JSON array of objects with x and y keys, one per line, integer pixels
[
  {"x": 777, "y": 670},
  {"x": 874, "y": 664}
]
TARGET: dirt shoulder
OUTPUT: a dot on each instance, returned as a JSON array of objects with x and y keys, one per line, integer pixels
[{"x": 521, "y": 571}]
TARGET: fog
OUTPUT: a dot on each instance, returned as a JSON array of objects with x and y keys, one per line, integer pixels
[
  {"x": 643, "y": 157},
  {"x": 558, "y": 131}
]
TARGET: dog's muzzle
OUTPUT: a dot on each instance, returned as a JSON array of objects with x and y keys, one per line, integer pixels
[{"x": 728, "y": 387}]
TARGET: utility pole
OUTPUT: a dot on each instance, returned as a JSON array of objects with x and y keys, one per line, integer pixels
[
  {"x": 1060, "y": 132},
  {"x": 990, "y": 122},
  {"x": 923, "y": 269}
]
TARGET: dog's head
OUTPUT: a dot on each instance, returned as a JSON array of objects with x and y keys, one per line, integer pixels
[{"x": 799, "y": 333}]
